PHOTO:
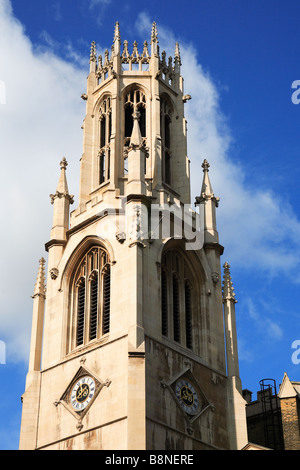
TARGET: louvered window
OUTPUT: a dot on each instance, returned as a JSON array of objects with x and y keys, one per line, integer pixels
[
  {"x": 91, "y": 298},
  {"x": 94, "y": 306},
  {"x": 176, "y": 310},
  {"x": 106, "y": 300},
  {"x": 164, "y": 303},
  {"x": 188, "y": 315},
  {"x": 166, "y": 137},
  {"x": 177, "y": 303},
  {"x": 80, "y": 311}
]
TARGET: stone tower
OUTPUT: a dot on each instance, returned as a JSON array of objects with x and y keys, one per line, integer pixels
[{"x": 134, "y": 340}]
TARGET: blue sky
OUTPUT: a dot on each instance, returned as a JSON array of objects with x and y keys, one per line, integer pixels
[{"x": 240, "y": 59}]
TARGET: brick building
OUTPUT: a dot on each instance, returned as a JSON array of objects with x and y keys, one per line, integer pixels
[
  {"x": 273, "y": 419},
  {"x": 289, "y": 395}
]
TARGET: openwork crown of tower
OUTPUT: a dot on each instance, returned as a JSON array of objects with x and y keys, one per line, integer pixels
[{"x": 136, "y": 56}]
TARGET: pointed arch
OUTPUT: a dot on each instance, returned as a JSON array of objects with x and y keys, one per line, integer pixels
[
  {"x": 183, "y": 299},
  {"x": 166, "y": 119},
  {"x": 87, "y": 279}
]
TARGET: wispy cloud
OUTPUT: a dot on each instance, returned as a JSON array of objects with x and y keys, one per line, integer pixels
[
  {"x": 96, "y": 3},
  {"x": 54, "y": 9},
  {"x": 67, "y": 50},
  {"x": 97, "y": 7},
  {"x": 268, "y": 328}
]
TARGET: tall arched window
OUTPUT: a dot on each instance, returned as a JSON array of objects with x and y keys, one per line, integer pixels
[
  {"x": 164, "y": 303},
  {"x": 90, "y": 293},
  {"x": 178, "y": 314},
  {"x": 165, "y": 126},
  {"x": 135, "y": 100},
  {"x": 188, "y": 314},
  {"x": 104, "y": 143}
]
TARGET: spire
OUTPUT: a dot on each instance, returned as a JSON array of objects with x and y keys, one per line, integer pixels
[
  {"x": 154, "y": 40},
  {"x": 230, "y": 324},
  {"x": 61, "y": 201},
  {"x": 136, "y": 159},
  {"x": 206, "y": 189},
  {"x": 228, "y": 290},
  {"x": 62, "y": 187},
  {"x": 40, "y": 287},
  {"x": 209, "y": 202},
  {"x": 117, "y": 39},
  {"x": 177, "y": 58},
  {"x": 39, "y": 297},
  {"x": 136, "y": 137},
  {"x": 154, "y": 36},
  {"x": 93, "y": 52},
  {"x": 93, "y": 58}
]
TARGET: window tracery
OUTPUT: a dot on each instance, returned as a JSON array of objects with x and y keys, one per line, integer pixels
[
  {"x": 90, "y": 294},
  {"x": 177, "y": 302},
  {"x": 134, "y": 103},
  {"x": 105, "y": 121},
  {"x": 165, "y": 123}
]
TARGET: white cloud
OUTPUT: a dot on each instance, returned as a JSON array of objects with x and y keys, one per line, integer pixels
[{"x": 40, "y": 123}]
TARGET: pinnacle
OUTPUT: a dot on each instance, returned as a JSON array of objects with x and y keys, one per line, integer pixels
[
  {"x": 228, "y": 290},
  {"x": 40, "y": 287},
  {"x": 93, "y": 52},
  {"x": 154, "y": 36},
  {"x": 62, "y": 187},
  {"x": 206, "y": 184},
  {"x": 117, "y": 30},
  {"x": 136, "y": 137},
  {"x": 177, "y": 54},
  {"x": 205, "y": 165},
  {"x": 63, "y": 163}
]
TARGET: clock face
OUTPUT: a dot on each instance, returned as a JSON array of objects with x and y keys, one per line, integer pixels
[
  {"x": 187, "y": 396},
  {"x": 82, "y": 393}
]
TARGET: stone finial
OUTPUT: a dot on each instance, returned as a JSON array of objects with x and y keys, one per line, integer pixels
[
  {"x": 154, "y": 36},
  {"x": 205, "y": 165},
  {"x": 117, "y": 40},
  {"x": 125, "y": 53},
  {"x": 145, "y": 53},
  {"x": 93, "y": 52},
  {"x": 117, "y": 31},
  {"x": 135, "y": 52},
  {"x": 63, "y": 164},
  {"x": 228, "y": 290},
  {"x": 62, "y": 187},
  {"x": 106, "y": 60},
  {"x": 177, "y": 54},
  {"x": 206, "y": 190},
  {"x": 40, "y": 287}
]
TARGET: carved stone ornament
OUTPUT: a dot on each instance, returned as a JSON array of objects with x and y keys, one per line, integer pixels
[
  {"x": 59, "y": 195},
  {"x": 54, "y": 272},
  {"x": 81, "y": 393},
  {"x": 121, "y": 237},
  {"x": 215, "y": 277},
  {"x": 188, "y": 396}
]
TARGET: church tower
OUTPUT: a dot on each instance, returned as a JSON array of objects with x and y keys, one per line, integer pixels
[{"x": 133, "y": 335}]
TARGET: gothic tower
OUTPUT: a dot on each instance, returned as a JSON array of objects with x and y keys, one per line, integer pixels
[{"x": 134, "y": 340}]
